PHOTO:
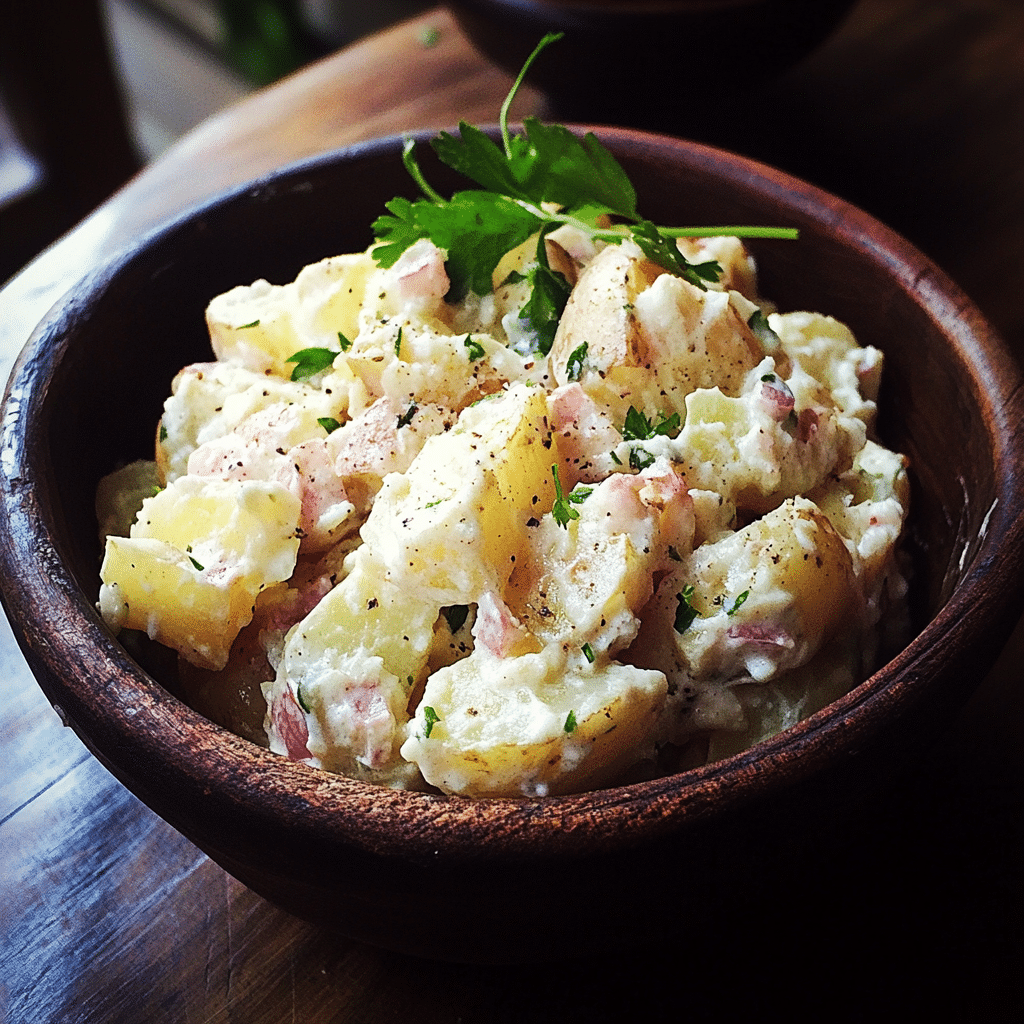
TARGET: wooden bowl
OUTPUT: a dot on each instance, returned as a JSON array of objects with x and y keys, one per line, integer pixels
[
  {"x": 646, "y": 63},
  {"x": 515, "y": 879}
]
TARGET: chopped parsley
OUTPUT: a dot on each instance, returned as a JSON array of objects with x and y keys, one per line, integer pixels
[
  {"x": 329, "y": 423},
  {"x": 574, "y": 365},
  {"x": 302, "y": 700},
  {"x": 758, "y": 323},
  {"x": 398, "y": 342},
  {"x": 344, "y": 342},
  {"x": 570, "y": 722},
  {"x": 430, "y": 719},
  {"x": 246, "y": 327},
  {"x": 562, "y": 509},
  {"x": 311, "y": 361},
  {"x": 685, "y": 612},
  {"x": 474, "y": 348},
  {"x": 588, "y": 653},
  {"x": 738, "y": 603},
  {"x": 406, "y": 418},
  {"x": 640, "y": 459},
  {"x": 163, "y": 433},
  {"x": 639, "y": 427}
]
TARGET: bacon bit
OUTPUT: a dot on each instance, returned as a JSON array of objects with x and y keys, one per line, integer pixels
[
  {"x": 290, "y": 725},
  {"x": 761, "y": 634},
  {"x": 374, "y": 723},
  {"x": 777, "y": 399},
  {"x": 496, "y": 627},
  {"x": 807, "y": 425}
]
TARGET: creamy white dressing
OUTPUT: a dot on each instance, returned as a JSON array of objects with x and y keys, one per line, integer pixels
[{"x": 456, "y": 571}]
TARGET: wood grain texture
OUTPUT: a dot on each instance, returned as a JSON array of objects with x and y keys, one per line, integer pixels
[{"x": 915, "y": 111}]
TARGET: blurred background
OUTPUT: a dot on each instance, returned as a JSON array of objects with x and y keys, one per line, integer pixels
[{"x": 174, "y": 63}]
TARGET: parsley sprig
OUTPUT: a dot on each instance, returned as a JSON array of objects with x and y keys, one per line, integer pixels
[{"x": 535, "y": 181}]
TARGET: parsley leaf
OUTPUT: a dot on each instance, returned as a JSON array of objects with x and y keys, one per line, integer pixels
[
  {"x": 549, "y": 294},
  {"x": 562, "y": 510},
  {"x": 537, "y": 180},
  {"x": 430, "y": 719},
  {"x": 329, "y": 423},
  {"x": 661, "y": 249},
  {"x": 570, "y": 722},
  {"x": 345, "y": 343},
  {"x": 588, "y": 653},
  {"x": 574, "y": 364},
  {"x": 685, "y": 612},
  {"x": 474, "y": 349},
  {"x": 758, "y": 323},
  {"x": 737, "y": 604},
  {"x": 311, "y": 361},
  {"x": 640, "y": 458},
  {"x": 406, "y": 418},
  {"x": 639, "y": 427}
]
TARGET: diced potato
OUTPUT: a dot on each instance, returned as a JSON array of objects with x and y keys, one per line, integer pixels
[
  {"x": 697, "y": 338},
  {"x": 198, "y": 556},
  {"x": 766, "y": 598},
  {"x": 351, "y": 664},
  {"x": 449, "y": 528},
  {"x": 502, "y": 727},
  {"x": 255, "y": 325},
  {"x": 600, "y": 313},
  {"x": 585, "y": 583},
  {"x": 330, "y": 296},
  {"x": 209, "y": 400},
  {"x": 868, "y": 507}
]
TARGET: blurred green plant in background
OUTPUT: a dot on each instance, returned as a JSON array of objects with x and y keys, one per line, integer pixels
[{"x": 265, "y": 39}]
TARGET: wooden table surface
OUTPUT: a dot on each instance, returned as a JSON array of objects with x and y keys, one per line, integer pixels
[{"x": 914, "y": 110}]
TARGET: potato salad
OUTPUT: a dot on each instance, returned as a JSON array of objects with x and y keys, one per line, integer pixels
[
  {"x": 533, "y": 496},
  {"x": 388, "y": 538}
]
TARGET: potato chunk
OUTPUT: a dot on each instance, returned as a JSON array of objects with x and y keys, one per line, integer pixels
[
  {"x": 450, "y": 527},
  {"x": 764, "y": 600},
  {"x": 199, "y": 554},
  {"x": 501, "y": 727},
  {"x": 349, "y": 666}
]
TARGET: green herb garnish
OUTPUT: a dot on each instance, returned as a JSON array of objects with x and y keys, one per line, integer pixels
[
  {"x": 639, "y": 428},
  {"x": 344, "y": 342},
  {"x": 685, "y": 612},
  {"x": 588, "y": 653},
  {"x": 329, "y": 423},
  {"x": 245, "y": 327},
  {"x": 562, "y": 510},
  {"x": 738, "y": 603},
  {"x": 758, "y": 323},
  {"x": 570, "y": 722},
  {"x": 640, "y": 459},
  {"x": 430, "y": 719},
  {"x": 536, "y": 181},
  {"x": 311, "y": 361},
  {"x": 474, "y": 348},
  {"x": 406, "y": 418},
  {"x": 574, "y": 364}
]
